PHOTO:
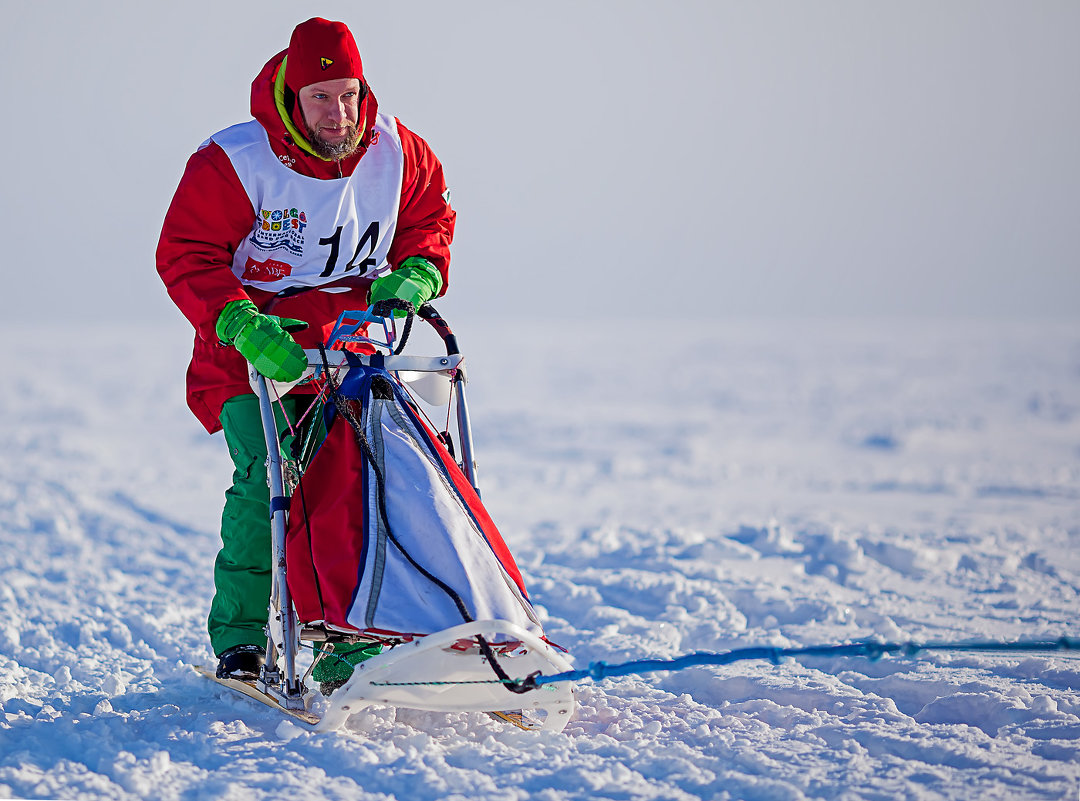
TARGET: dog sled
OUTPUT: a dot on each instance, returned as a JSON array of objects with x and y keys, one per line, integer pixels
[{"x": 380, "y": 539}]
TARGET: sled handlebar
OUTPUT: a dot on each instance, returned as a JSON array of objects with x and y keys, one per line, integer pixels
[
  {"x": 434, "y": 319},
  {"x": 390, "y": 362}
]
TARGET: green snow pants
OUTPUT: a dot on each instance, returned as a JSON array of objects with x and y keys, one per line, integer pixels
[{"x": 242, "y": 572}]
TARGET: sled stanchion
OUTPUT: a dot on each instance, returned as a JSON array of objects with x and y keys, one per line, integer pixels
[
  {"x": 468, "y": 463},
  {"x": 280, "y": 600}
]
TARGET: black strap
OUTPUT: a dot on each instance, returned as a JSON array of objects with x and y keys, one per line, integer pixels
[{"x": 384, "y": 308}]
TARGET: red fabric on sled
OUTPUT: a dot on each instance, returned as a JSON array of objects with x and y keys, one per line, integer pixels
[{"x": 335, "y": 490}]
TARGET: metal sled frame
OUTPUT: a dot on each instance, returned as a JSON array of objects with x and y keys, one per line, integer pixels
[{"x": 430, "y": 672}]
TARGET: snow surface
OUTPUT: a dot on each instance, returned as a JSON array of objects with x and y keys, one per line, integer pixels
[{"x": 687, "y": 488}]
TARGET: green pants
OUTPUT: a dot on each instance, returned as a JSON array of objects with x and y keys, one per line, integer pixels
[{"x": 242, "y": 576}]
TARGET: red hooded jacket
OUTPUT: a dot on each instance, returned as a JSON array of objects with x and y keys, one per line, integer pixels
[{"x": 211, "y": 214}]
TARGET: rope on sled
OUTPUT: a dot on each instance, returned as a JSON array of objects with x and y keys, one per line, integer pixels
[{"x": 871, "y": 650}]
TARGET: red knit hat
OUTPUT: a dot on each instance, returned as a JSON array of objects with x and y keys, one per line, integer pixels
[{"x": 321, "y": 50}]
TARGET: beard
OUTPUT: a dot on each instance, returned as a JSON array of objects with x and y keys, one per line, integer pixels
[{"x": 335, "y": 150}]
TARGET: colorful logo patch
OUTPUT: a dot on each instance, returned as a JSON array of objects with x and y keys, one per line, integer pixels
[
  {"x": 268, "y": 270},
  {"x": 279, "y": 228},
  {"x": 325, "y": 62}
]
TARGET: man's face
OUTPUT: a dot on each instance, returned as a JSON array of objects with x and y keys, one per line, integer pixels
[{"x": 331, "y": 110}]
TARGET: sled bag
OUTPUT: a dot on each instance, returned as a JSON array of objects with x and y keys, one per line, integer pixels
[{"x": 391, "y": 538}]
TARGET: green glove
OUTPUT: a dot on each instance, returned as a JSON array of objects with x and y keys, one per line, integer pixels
[
  {"x": 263, "y": 340},
  {"x": 416, "y": 280}
]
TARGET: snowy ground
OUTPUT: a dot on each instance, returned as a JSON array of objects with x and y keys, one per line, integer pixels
[{"x": 705, "y": 488}]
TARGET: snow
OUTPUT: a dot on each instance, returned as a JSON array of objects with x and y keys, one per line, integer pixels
[{"x": 692, "y": 487}]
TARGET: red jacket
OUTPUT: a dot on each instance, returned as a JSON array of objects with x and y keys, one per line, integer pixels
[{"x": 211, "y": 214}]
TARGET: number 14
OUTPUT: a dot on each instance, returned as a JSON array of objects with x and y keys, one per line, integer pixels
[{"x": 370, "y": 237}]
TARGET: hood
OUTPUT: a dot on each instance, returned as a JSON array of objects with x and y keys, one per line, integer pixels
[{"x": 285, "y": 128}]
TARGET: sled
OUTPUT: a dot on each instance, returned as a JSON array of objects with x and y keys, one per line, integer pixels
[{"x": 425, "y": 574}]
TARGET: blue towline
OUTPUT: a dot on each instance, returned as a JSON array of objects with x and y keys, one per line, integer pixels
[{"x": 871, "y": 650}]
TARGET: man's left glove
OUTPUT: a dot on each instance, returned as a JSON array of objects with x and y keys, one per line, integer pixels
[
  {"x": 263, "y": 340},
  {"x": 416, "y": 280}
]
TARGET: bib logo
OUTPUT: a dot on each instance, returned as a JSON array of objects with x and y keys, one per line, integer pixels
[
  {"x": 268, "y": 270},
  {"x": 279, "y": 228}
]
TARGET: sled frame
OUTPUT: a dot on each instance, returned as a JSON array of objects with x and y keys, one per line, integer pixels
[{"x": 284, "y": 632}]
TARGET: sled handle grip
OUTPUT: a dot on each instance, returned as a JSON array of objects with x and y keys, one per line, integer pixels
[
  {"x": 384, "y": 308},
  {"x": 435, "y": 320}
]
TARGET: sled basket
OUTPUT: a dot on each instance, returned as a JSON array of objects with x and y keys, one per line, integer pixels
[{"x": 384, "y": 539}]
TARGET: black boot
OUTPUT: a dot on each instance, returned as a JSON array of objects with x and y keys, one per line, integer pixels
[{"x": 241, "y": 662}]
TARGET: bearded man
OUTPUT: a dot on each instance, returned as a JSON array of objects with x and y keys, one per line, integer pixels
[{"x": 318, "y": 205}]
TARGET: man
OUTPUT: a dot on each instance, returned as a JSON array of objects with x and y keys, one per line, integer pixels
[{"x": 319, "y": 205}]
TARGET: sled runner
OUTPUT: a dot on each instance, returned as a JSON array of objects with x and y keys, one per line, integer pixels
[
  {"x": 251, "y": 690},
  {"x": 379, "y": 537}
]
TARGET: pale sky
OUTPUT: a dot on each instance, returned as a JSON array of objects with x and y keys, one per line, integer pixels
[{"x": 731, "y": 159}]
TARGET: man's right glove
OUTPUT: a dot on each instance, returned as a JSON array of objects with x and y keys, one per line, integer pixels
[{"x": 262, "y": 340}]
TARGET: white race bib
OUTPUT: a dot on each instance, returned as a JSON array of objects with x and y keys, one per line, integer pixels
[{"x": 310, "y": 231}]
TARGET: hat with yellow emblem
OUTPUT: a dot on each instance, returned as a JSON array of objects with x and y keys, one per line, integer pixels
[{"x": 321, "y": 50}]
